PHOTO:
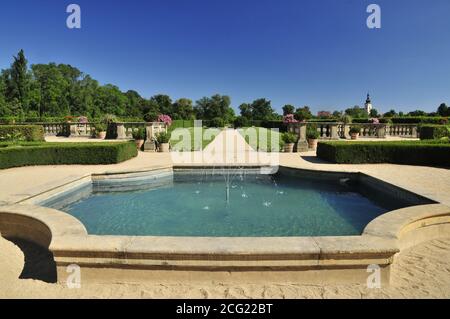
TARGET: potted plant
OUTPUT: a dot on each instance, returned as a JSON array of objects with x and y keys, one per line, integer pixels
[
  {"x": 139, "y": 136},
  {"x": 312, "y": 135},
  {"x": 289, "y": 140},
  {"x": 163, "y": 140},
  {"x": 100, "y": 130},
  {"x": 354, "y": 131}
]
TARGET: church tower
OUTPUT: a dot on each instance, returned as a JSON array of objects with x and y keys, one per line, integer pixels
[{"x": 368, "y": 104}]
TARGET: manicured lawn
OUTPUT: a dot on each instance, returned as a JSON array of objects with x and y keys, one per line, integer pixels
[
  {"x": 185, "y": 140},
  {"x": 260, "y": 138}
]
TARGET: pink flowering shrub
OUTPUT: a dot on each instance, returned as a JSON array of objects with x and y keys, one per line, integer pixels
[
  {"x": 324, "y": 114},
  {"x": 289, "y": 118},
  {"x": 83, "y": 120},
  {"x": 375, "y": 121},
  {"x": 166, "y": 119}
]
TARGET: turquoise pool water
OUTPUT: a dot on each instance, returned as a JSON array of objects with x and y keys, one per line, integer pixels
[{"x": 257, "y": 205}]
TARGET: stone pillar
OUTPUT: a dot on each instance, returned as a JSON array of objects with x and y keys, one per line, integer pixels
[
  {"x": 334, "y": 131},
  {"x": 302, "y": 132},
  {"x": 121, "y": 133},
  {"x": 73, "y": 129},
  {"x": 414, "y": 132},
  {"x": 381, "y": 131},
  {"x": 150, "y": 145},
  {"x": 347, "y": 131}
]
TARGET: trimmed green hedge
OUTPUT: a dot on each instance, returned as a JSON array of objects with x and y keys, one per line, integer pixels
[
  {"x": 29, "y": 133},
  {"x": 419, "y": 120},
  {"x": 432, "y": 132},
  {"x": 431, "y": 153},
  {"x": 27, "y": 154},
  {"x": 182, "y": 124}
]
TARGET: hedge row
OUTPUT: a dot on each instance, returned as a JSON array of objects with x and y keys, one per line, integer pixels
[
  {"x": 27, "y": 154},
  {"x": 431, "y": 153},
  {"x": 432, "y": 132},
  {"x": 29, "y": 133},
  {"x": 420, "y": 120},
  {"x": 182, "y": 124}
]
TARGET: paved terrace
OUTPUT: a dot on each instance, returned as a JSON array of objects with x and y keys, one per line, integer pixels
[{"x": 17, "y": 184}]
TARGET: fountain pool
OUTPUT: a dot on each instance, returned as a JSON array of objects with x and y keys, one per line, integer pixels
[{"x": 229, "y": 203}]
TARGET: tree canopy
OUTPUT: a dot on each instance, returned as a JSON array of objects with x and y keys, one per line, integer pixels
[
  {"x": 258, "y": 110},
  {"x": 59, "y": 90}
]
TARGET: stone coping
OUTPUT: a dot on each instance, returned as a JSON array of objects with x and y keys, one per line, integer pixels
[{"x": 67, "y": 238}]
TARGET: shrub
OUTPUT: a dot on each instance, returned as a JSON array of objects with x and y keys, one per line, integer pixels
[
  {"x": 29, "y": 133},
  {"x": 433, "y": 153},
  {"x": 419, "y": 120},
  {"x": 166, "y": 119},
  {"x": 355, "y": 129},
  {"x": 282, "y": 127},
  {"x": 151, "y": 117},
  {"x": 109, "y": 119},
  {"x": 100, "y": 127},
  {"x": 346, "y": 119},
  {"x": 289, "y": 138},
  {"x": 163, "y": 138},
  {"x": 431, "y": 132},
  {"x": 140, "y": 134},
  {"x": 361, "y": 121},
  {"x": 26, "y": 154},
  {"x": 312, "y": 133},
  {"x": 241, "y": 122},
  {"x": 181, "y": 124},
  {"x": 216, "y": 122}
]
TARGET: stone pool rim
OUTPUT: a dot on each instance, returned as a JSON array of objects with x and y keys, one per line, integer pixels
[{"x": 66, "y": 237}]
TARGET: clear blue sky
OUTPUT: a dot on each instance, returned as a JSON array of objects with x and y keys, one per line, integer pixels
[{"x": 303, "y": 52}]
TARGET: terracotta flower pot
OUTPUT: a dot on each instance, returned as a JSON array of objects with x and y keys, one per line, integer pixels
[
  {"x": 164, "y": 147},
  {"x": 101, "y": 135},
  {"x": 312, "y": 143},
  {"x": 289, "y": 148},
  {"x": 139, "y": 144},
  {"x": 354, "y": 136}
]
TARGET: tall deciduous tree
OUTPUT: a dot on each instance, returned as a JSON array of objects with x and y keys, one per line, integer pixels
[
  {"x": 183, "y": 109},
  {"x": 164, "y": 103},
  {"x": 443, "y": 110},
  {"x": 258, "y": 110},
  {"x": 217, "y": 106},
  {"x": 262, "y": 110},
  {"x": 288, "y": 109},
  {"x": 356, "y": 112},
  {"x": 303, "y": 113}
]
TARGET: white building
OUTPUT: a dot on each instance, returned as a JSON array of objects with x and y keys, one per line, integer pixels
[{"x": 368, "y": 104}]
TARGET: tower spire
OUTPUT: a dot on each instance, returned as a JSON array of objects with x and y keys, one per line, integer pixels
[{"x": 368, "y": 104}]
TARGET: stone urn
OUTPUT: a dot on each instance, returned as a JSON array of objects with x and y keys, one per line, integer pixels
[
  {"x": 139, "y": 144},
  {"x": 354, "y": 136},
  {"x": 101, "y": 135},
  {"x": 312, "y": 143},
  {"x": 289, "y": 147},
  {"x": 164, "y": 147}
]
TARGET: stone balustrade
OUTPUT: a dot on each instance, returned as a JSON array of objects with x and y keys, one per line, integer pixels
[
  {"x": 116, "y": 130},
  {"x": 335, "y": 130}
]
